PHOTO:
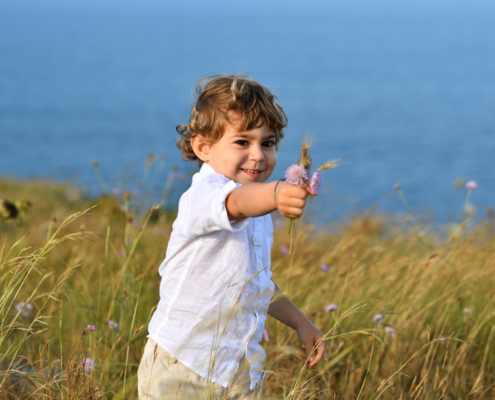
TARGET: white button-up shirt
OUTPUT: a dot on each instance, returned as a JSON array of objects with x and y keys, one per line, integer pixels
[{"x": 216, "y": 286}]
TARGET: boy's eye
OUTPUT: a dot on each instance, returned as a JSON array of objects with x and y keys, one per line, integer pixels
[
  {"x": 268, "y": 143},
  {"x": 242, "y": 142}
]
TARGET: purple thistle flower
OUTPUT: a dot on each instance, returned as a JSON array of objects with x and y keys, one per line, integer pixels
[
  {"x": 390, "y": 331},
  {"x": 296, "y": 174},
  {"x": 325, "y": 268},
  {"x": 113, "y": 324},
  {"x": 27, "y": 308},
  {"x": 331, "y": 307},
  {"x": 315, "y": 182},
  {"x": 266, "y": 335},
  {"x": 87, "y": 364},
  {"x": 284, "y": 250},
  {"x": 91, "y": 327},
  {"x": 378, "y": 318},
  {"x": 135, "y": 224},
  {"x": 472, "y": 185}
]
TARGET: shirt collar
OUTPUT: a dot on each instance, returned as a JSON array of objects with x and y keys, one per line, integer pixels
[{"x": 205, "y": 168}]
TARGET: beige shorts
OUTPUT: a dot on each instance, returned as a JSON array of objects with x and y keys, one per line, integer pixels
[{"x": 162, "y": 377}]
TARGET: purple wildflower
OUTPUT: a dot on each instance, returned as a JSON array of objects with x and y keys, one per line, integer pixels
[
  {"x": 378, "y": 318},
  {"x": 87, "y": 364},
  {"x": 91, "y": 327},
  {"x": 266, "y": 335},
  {"x": 113, "y": 324},
  {"x": 82, "y": 332},
  {"x": 116, "y": 191},
  {"x": 296, "y": 174},
  {"x": 472, "y": 185},
  {"x": 284, "y": 250},
  {"x": 325, "y": 268},
  {"x": 315, "y": 182},
  {"x": 27, "y": 308},
  {"x": 390, "y": 331},
  {"x": 331, "y": 307},
  {"x": 135, "y": 224},
  {"x": 466, "y": 311}
]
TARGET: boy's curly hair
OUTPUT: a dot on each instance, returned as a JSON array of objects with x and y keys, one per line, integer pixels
[{"x": 221, "y": 99}]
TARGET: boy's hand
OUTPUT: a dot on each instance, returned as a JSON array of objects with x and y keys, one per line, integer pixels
[
  {"x": 291, "y": 199},
  {"x": 309, "y": 335}
]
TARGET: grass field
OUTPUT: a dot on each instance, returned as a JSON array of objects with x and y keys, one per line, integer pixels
[{"x": 70, "y": 262}]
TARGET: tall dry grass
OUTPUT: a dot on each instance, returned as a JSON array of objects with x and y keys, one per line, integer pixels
[{"x": 82, "y": 262}]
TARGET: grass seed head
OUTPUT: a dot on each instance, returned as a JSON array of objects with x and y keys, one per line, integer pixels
[{"x": 329, "y": 164}]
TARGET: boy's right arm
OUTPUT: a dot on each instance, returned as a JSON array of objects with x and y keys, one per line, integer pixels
[{"x": 256, "y": 199}]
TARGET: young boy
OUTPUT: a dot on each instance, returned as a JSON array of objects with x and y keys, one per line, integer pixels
[{"x": 216, "y": 287}]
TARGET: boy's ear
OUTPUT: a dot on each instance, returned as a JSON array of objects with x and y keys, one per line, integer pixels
[{"x": 200, "y": 147}]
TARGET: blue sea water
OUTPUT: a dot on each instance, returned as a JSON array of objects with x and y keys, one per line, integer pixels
[{"x": 402, "y": 91}]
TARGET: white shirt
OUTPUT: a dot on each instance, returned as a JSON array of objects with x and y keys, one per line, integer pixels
[{"x": 216, "y": 286}]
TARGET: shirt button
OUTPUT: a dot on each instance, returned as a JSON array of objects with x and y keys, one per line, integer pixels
[{"x": 254, "y": 240}]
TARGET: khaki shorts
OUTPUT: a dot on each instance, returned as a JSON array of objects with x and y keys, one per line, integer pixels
[{"x": 162, "y": 377}]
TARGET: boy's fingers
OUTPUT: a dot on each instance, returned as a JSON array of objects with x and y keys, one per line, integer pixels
[
  {"x": 291, "y": 212},
  {"x": 319, "y": 353},
  {"x": 295, "y": 191},
  {"x": 308, "y": 189},
  {"x": 294, "y": 203}
]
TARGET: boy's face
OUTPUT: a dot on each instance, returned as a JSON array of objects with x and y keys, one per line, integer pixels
[{"x": 244, "y": 157}]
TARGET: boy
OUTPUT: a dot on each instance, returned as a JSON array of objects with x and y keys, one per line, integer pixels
[{"x": 216, "y": 289}]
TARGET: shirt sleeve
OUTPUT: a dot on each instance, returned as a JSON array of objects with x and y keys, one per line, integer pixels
[{"x": 206, "y": 209}]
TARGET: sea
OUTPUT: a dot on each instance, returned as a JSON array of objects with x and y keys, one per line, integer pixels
[{"x": 401, "y": 92}]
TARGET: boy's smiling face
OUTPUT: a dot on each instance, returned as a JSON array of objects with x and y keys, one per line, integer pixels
[{"x": 244, "y": 157}]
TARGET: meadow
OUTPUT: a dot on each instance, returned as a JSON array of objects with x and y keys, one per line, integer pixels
[{"x": 408, "y": 311}]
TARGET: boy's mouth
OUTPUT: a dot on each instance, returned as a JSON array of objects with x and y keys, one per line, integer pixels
[{"x": 253, "y": 173}]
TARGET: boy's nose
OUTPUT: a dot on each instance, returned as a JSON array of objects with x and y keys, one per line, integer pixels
[{"x": 257, "y": 154}]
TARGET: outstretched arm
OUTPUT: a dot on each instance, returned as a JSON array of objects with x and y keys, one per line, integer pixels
[
  {"x": 256, "y": 199},
  {"x": 283, "y": 310}
]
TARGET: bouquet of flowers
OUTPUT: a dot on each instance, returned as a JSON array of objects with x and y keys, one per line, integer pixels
[{"x": 299, "y": 175}]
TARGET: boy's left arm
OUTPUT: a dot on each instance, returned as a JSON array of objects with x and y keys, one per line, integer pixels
[{"x": 283, "y": 310}]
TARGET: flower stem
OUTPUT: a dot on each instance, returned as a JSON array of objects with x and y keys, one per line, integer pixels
[{"x": 466, "y": 202}]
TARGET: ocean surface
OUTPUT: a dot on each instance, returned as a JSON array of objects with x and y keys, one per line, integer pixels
[{"x": 403, "y": 93}]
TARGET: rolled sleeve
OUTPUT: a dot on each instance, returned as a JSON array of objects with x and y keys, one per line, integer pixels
[
  {"x": 206, "y": 208},
  {"x": 219, "y": 211}
]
